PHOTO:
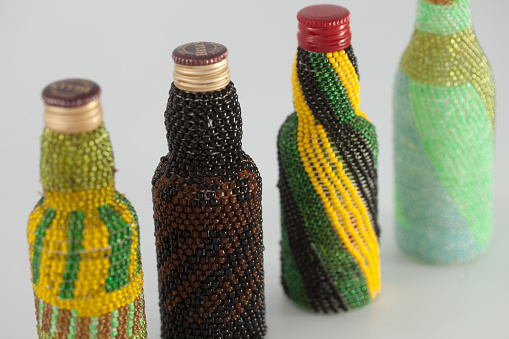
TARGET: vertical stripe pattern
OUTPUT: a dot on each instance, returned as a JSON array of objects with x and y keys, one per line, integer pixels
[
  {"x": 86, "y": 267},
  {"x": 49, "y": 214},
  {"x": 135, "y": 230},
  {"x": 120, "y": 243},
  {"x": 73, "y": 256}
]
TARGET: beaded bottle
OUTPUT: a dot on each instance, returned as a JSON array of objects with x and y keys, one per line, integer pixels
[
  {"x": 444, "y": 132},
  {"x": 327, "y": 152},
  {"x": 207, "y": 207},
  {"x": 83, "y": 235}
]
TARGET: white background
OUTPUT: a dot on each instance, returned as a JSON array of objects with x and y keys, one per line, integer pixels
[{"x": 126, "y": 46}]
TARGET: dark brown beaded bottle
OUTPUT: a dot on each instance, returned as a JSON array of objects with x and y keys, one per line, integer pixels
[{"x": 207, "y": 207}]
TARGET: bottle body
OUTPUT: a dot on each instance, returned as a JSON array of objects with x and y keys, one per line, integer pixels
[
  {"x": 327, "y": 154},
  {"x": 84, "y": 243},
  {"x": 444, "y": 124},
  {"x": 207, "y": 214}
]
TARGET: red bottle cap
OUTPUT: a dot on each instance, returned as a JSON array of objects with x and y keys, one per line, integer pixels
[
  {"x": 71, "y": 93},
  {"x": 199, "y": 53},
  {"x": 324, "y": 28}
]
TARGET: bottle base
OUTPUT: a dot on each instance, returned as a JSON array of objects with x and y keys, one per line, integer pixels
[{"x": 436, "y": 248}]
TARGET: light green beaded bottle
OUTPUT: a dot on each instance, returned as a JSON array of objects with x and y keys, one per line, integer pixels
[{"x": 444, "y": 132}]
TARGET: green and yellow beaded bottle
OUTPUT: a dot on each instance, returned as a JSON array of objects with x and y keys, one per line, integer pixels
[
  {"x": 83, "y": 235},
  {"x": 444, "y": 112},
  {"x": 327, "y": 154}
]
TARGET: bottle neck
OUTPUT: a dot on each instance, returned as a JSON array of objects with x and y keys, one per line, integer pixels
[
  {"x": 328, "y": 84},
  {"x": 204, "y": 126},
  {"x": 76, "y": 162},
  {"x": 443, "y": 17}
]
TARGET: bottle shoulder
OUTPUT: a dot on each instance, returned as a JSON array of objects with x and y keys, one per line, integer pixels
[
  {"x": 291, "y": 122},
  {"x": 56, "y": 221},
  {"x": 217, "y": 163},
  {"x": 445, "y": 60},
  {"x": 201, "y": 189},
  {"x": 88, "y": 201},
  {"x": 439, "y": 67}
]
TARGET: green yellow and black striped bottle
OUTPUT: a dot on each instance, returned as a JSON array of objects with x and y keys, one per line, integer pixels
[
  {"x": 327, "y": 151},
  {"x": 83, "y": 235}
]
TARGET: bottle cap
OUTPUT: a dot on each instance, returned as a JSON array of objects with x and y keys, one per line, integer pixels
[
  {"x": 201, "y": 67},
  {"x": 199, "y": 53},
  {"x": 324, "y": 28},
  {"x": 72, "y": 106},
  {"x": 70, "y": 93}
]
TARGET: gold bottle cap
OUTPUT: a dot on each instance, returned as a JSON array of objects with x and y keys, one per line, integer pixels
[
  {"x": 72, "y": 106},
  {"x": 201, "y": 67}
]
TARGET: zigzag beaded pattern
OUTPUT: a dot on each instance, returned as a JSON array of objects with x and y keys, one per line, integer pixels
[
  {"x": 328, "y": 185},
  {"x": 207, "y": 214}
]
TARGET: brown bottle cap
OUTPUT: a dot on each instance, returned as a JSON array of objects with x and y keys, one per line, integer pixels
[
  {"x": 199, "y": 53},
  {"x": 324, "y": 28},
  {"x": 72, "y": 106},
  {"x": 71, "y": 93}
]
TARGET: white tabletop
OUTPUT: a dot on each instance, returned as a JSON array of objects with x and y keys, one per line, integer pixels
[{"x": 126, "y": 46}]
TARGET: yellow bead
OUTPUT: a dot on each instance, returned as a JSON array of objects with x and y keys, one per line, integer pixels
[{"x": 320, "y": 172}]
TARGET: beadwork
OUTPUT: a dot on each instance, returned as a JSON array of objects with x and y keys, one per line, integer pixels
[
  {"x": 444, "y": 112},
  {"x": 84, "y": 244},
  {"x": 207, "y": 214},
  {"x": 328, "y": 187}
]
